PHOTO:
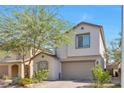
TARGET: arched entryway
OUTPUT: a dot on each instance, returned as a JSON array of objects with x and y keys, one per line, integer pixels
[{"x": 15, "y": 70}]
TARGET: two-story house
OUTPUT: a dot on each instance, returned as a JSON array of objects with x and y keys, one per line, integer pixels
[
  {"x": 87, "y": 50},
  {"x": 73, "y": 61}
]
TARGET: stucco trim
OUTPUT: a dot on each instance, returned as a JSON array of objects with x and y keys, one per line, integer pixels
[
  {"x": 42, "y": 53},
  {"x": 92, "y": 60},
  {"x": 103, "y": 37},
  {"x": 74, "y": 58},
  {"x": 87, "y": 24},
  {"x": 11, "y": 63}
]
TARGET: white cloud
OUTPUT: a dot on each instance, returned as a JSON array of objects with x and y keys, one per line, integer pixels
[{"x": 85, "y": 17}]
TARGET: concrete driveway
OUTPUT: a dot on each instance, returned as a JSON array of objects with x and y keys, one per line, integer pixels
[{"x": 61, "y": 84}]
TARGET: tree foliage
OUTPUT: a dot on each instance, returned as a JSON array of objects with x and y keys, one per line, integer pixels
[
  {"x": 32, "y": 27},
  {"x": 115, "y": 49},
  {"x": 100, "y": 76},
  {"x": 41, "y": 75}
]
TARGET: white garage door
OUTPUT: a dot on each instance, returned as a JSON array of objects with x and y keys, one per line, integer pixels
[{"x": 77, "y": 70}]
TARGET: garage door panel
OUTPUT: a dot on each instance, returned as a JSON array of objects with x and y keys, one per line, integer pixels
[{"x": 77, "y": 70}]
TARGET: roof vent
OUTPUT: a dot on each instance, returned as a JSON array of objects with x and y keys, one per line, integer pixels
[
  {"x": 42, "y": 56},
  {"x": 82, "y": 28}
]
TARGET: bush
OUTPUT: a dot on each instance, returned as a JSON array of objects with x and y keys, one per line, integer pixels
[
  {"x": 25, "y": 81},
  {"x": 35, "y": 81},
  {"x": 5, "y": 77},
  {"x": 41, "y": 75},
  {"x": 100, "y": 76}
]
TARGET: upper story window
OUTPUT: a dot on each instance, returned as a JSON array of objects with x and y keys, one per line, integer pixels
[{"x": 83, "y": 40}]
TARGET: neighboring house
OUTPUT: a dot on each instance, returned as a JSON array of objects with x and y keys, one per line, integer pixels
[
  {"x": 11, "y": 65},
  {"x": 73, "y": 61},
  {"x": 114, "y": 69}
]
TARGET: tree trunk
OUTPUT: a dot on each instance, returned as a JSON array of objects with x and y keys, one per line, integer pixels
[{"x": 28, "y": 66}]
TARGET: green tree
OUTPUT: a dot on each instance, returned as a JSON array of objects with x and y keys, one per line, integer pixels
[
  {"x": 100, "y": 76},
  {"x": 32, "y": 27},
  {"x": 115, "y": 49}
]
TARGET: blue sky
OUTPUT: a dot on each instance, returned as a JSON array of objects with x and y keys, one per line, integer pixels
[{"x": 108, "y": 16}]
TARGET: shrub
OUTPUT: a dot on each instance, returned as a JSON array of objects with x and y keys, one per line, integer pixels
[
  {"x": 35, "y": 81},
  {"x": 41, "y": 75},
  {"x": 100, "y": 76},
  {"x": 5, "y": 77},
  {"x": 25, "y": 81}
]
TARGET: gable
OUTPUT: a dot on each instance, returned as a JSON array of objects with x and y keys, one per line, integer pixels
[
  {"x": 84, "y": 27},
  {"x": 96, "y": 40},
  {"x": 44, "y": 56}
]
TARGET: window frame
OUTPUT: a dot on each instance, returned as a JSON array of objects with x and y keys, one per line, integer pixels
[
  {"x": 39, "y": 62},
  {"x": 76, "y": 40}
]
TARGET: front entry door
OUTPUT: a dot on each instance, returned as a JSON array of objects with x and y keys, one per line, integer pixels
[{"x": 15, "y": 71}]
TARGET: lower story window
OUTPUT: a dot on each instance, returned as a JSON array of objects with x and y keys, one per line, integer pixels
[{"x": 42, "y": 65}]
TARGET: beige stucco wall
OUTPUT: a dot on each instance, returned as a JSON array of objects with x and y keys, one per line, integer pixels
[
  {"x": 53, "y": 66},
  {"x": 70, "y": 50},
  {"x": 96, "y": 45},
  {"x": 62, "y": 51},
  {"x": 102, "y": 48},
  {"x": 100, "y": 61},
  {"x": 22, "y": 70}
]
